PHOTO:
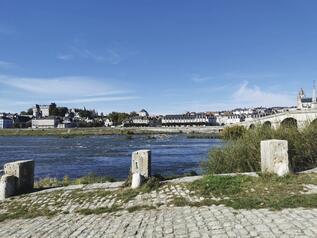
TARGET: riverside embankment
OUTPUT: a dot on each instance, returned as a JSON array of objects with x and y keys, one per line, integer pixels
[
  {"x": 71, "y": 132},
  {"x": 173, "y": 209}
]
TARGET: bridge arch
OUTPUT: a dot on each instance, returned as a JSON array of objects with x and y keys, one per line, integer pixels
[
  {"x": 289, "y": 122},
  {"x": 313, "y": 122},
  {"x": 252, "y": 126},
  {"x": 267, "y": 124}
]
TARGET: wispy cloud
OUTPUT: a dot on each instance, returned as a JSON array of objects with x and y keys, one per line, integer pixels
[
  {"x": 250, "y": 76},
  {"x": 104, "y": 56},
  {"x": 6, "y": 65},
  {"x": 65, "y": 57},
  {"x": 98, "y": 99},
  {"x": 66, "y": 90},
  {"x": 255, "y": 96},
  {"x": 199, "y": 79}
]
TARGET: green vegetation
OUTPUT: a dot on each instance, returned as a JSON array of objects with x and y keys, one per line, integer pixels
[
  {"x": 88, "y": 179},
  {"x": 77, "y": 132},
  {"x": 138, "y": 208},
  {"x": 25, "y": 211},
  {"x": 57, "y": 111},
  {"x": 242, "y": 151},
  {"x": 118, "y": 117},
  {"x": 99, "y": 210},
  {"x": 265, "y": 191},
  {"x": 232, "y": 133}
]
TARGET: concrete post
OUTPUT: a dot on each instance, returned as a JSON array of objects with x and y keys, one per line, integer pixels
[
  {"x": 8, "y": 186},
  {"x": 141, "y": 163},
  {"x": 274, "y": 157},
  {"x": 136, "y": 180},
  {"x": 24, "y": 171}
]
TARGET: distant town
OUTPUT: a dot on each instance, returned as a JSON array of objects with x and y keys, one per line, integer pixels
[{"x": 54, "y": 116}]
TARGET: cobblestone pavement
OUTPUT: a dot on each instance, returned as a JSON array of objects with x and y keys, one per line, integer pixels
[
  {"x": 157, "y": 218},
  {"x": 214, "y": 221}
]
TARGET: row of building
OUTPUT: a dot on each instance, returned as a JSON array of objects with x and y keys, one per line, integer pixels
[
  {"x": 41, "y": 119},
  {"x": 202, "y": 119},
  {"x": 41, "y": 116}
]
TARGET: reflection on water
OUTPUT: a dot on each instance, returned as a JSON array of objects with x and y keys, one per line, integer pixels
[{"x": 105, "y": 155}]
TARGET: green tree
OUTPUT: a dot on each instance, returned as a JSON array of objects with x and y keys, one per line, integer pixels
[{"x": 118, "y": 117}]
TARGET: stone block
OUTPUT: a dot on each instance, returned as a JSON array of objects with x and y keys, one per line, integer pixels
[
  {"x": 8, "y": 186},
  {"x": 137, "y": 180},
  {"x": 274, "y": 157},
  {"x": 141, "y": 163},
  {"x": 24, "y": 171}
]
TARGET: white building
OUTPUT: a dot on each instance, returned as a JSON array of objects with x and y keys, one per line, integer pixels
[
  {"x": 45, "y": 123},
  {"x": 5, "y": 122},
  {"x": 143, "y": 113},
  {"x": 41, "y": 111},
  {"x": 229, "y": 119},
  {"x": 188, "y": 119},
  {"x": 108, "y": 123}
]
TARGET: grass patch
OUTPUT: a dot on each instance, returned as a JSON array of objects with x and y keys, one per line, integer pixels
[
  {"x": 140, "y": 208},
  {"x": 88, "y": 179},
  {"x": 265, "y": 191},
  {"x": 179, "y": 202},
  {"x": 99, "y": 210},
  {"x": 16, "y": 210}
]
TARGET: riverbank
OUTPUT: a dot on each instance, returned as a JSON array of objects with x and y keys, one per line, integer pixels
[
  {"x": 95, "y": 131},
  {"x": 200, "y": 207}
]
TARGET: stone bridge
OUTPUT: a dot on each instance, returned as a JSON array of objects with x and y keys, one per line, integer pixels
[{"x": 299, "y": 118}]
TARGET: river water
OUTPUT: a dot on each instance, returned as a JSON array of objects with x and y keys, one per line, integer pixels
[{"x": 106, "y": 155}]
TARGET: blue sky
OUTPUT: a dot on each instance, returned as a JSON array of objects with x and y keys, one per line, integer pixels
[{"x": 165, "y": 56}]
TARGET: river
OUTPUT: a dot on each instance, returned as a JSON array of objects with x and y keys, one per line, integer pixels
[{"x": 106, "y": 155}]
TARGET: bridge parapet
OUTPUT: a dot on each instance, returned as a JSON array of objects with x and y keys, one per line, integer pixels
[{"x": 302, "y": 118}]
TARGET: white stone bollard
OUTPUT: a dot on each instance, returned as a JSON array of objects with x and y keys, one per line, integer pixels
[
  {"x": 24, "y": 171},
  {"x": 141, "y": 163},
  {"x": 274, "y": 157},
  {"x": 136, "y": 180},
  {"x": 8, "y": 186}
]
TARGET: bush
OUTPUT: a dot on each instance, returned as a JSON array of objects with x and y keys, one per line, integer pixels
[
  {"x": 232, "y": 133},
  {"x": 242, "y": 153}
]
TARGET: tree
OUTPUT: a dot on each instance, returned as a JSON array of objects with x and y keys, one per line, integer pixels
[
  {"x": 133, "y": 114},
  {"x": 118, "y": 117},
  {"x": 85, "y": 114}
]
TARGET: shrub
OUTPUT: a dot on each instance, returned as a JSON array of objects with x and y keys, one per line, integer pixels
[
  {"x": 233, "y": 133},
  {"x": 242, "y": 153}
]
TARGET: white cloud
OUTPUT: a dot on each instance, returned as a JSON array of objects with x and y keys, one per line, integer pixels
[
  {"x": 106, "y": 56},
  {"x": 250, "y": 76},
  {"x": 6, "y": 65},
  {"x": 199, "y": 79},
  {"x": 255, "y": 96},
  {"x": 98, "y": 99},
  {"x": 67, "y": 90},
  {"x": 65, "y": 57},
  {"x": 70, "y": 85}
]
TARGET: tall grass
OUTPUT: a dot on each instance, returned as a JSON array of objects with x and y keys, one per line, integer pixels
[{"x": 241, "y": 153}]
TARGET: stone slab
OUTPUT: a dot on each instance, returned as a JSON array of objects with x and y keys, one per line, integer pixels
[
  {"x": 8, "y": 186},
  {"x": 274, "y": 157},
  {"x": 141, "y": 163},
  {"x": 24, "y": 171}
]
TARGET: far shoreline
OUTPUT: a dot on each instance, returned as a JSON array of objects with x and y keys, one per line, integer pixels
[{"x": 193, "y": 132}]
